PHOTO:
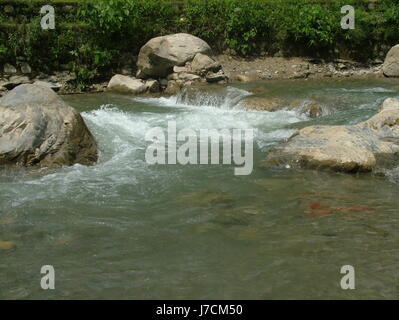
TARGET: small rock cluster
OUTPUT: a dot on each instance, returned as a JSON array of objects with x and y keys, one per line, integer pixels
[
  {"x": 364, "y": 147},
  {"x": 311, "y": 108},
  {"x": 13, "y": 77},
  {"x": 168, "y": 64}
]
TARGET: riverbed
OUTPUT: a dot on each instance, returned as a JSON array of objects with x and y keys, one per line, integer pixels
[{"x": 124, "y": 229}]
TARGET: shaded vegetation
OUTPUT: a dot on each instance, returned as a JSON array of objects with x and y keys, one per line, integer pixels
[{"x": 91, "y": 35}]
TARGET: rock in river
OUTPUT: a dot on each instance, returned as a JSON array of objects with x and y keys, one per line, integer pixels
[
  {"x": 37, "y": 128},
  {"x": 125, "y": 84},
  {"x": 159, "y": 55},
  {"x": 348, "y": 148}
]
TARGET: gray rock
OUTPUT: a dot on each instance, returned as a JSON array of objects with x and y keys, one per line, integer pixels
[
  {"x": 203, "y": 63},
  {"x": 38, "y": 129},
  {"x": 9, "y": 69},
  {"x": 350, "y": 148},
  {"x": 159, "y": 55},
  {"x": 263, "y": 103},
  {"x": 25, "y": 68},
  {"x": 54, "y": 86},
  {"x": 124, "y": 84},
  {"x": 391, "y": 63}
]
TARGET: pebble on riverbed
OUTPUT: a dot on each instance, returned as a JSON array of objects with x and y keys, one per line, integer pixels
[{"x": 7, "y": 245}]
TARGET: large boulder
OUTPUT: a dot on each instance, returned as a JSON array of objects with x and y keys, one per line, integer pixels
[
  {"x": 352, "y": 148},
  {"x": 391, "y": 63},
  {"x": 38, "y": 129},
  {"x": 159, "y": 55},
  {"x": 124, "y": 84}
]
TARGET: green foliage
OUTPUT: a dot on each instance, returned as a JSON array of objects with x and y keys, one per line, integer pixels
[
  {"x": 312, "y": 25},
  {"x": 127, "y": 24},
  {"x": 247, "y": 24},
  {"x": 92, "y": 35},
  {"x": 88, "y": 63},
  {"x": 205, "y": 19}
]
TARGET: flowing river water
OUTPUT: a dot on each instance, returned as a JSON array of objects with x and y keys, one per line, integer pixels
[{"x": 124, "y": 229}]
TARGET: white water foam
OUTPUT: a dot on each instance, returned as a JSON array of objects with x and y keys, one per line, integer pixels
[{"x": 227, "y": 100}]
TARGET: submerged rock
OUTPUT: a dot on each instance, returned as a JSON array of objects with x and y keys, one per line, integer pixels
[
  {"x": 263, "y": 104},
  {"x": 350, "y": 148},
  {"x": 206, "y": 198},
  {"x": 312, "y": 108},
  {"x": 7, "y": 245},
  {"x": 37, "y": 128},
  {"x": 159, "y": 55}
]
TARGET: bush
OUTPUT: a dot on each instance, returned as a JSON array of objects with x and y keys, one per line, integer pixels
[
  {"x": 127, "y": 24},
  {"x": 93, "y": 36}
]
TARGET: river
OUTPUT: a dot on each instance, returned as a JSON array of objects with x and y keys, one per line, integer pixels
[{"x": 124, "y": 229}]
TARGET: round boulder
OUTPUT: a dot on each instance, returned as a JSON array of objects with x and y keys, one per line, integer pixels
[
  {"x": 159, "y": 55},
  {"x": 37, "y": 128}
]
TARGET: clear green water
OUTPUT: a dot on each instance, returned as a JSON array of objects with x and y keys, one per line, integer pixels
[{"x": 125, "y": 230}]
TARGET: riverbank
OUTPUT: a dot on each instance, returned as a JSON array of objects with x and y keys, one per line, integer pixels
[
  {"x": 238, "y": 69},
  {"x": 280, "y": 68}
]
